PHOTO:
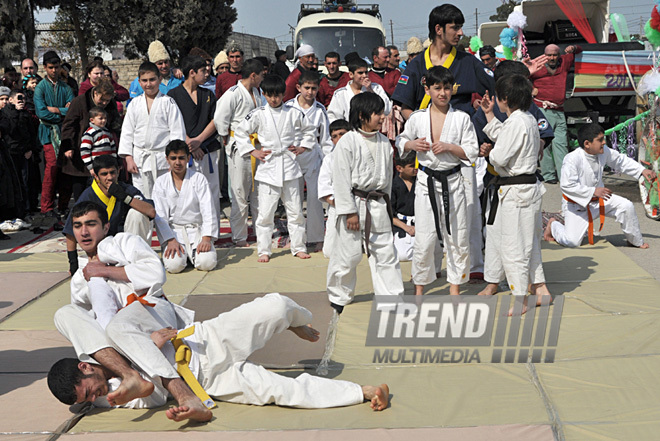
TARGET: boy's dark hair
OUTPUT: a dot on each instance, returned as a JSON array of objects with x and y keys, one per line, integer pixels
[
  {"x": 487, "y": 50},
  {"x": 104, "y": 161},
  {"x": 510, "y": 67},
  {"x": 357, "y": 63},
  {"x": 63, "y": 377},
  {"x": 192, "y": 62},
  {"x": 273, "y": 85},
  {"x": 252, "y": 66},
  {"x": 350, "y": 57},
  {"x": 51, "y": 57},
  {"x": 363, "y": 106},
  {"x": 516, "y": 90},
  {"x": 265, "y": 61},
  {"x": 147, "y": 67},
  {"x": 589, "y": 132},
  {"x": 339, "y": 124},
  {"x": 332, "y": 54},
  {"x": 84, "y": 207},
  {"x": 309, "y": 76},
  {"x": 439, "y": 75},
  {"x": 15, "y": 92},
  {"x": 443, "y": 15},
  {"x": 408, "y": 158},
  {"x": 177, "y": 145},
  {"x": 96, "y": 111}
]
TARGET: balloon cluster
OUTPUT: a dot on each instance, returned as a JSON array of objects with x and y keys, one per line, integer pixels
[
  {"x": 511, "y": 36},
  {"x": 475, "y": 44},
  {"x": 652, "y": 27}
]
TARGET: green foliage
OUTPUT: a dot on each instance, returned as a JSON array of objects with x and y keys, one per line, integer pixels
[
  {"x": 504, "y": 10},
  {"x": 13, "y": 28}
]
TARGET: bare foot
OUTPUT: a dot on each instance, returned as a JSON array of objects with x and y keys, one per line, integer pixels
[
  {"x": 489, "y": 290},
  {"x": 131, "y": 387},
  {"x": 454, "y": 290},
  {"x": 378, "y": 395},
  {"x": 302, "y": 255},
  {"x": 419, "y": 290},
  {"x": 516, "y": 309},
  {"x": 264, "y": 258},
  {"x": 644, "y": 246},
  {"x": 547, "y": 233},
  {"x": 241, "y": 243},
  {"x": 305, "y": 332},
  {"x": 193, "y": 410}
]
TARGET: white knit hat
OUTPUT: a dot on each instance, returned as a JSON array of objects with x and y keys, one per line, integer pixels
[
  {"x": 414, "y": 46},
  {"x": 304, "y": 50},
  {"x": 157, "y": 52},
  {"x": 221, "y": 58}
]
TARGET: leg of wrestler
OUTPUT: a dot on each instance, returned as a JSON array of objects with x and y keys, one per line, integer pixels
[
  {"x": 342, "y": 268},
  {"x": 88, "y": 338}
]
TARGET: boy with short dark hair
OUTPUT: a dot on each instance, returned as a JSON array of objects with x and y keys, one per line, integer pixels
[
  {"x": 585, "y": 195},
  {"x": 340, "y": 105},
  {"x": 97, "y": 140},
  {"x": 511, "y": 242},
  {"x": 310, "y": 162},
  {"x": 403, "y": 205},
  {"x": 51, "y": 102},
  {"x": 338, "y": 128},
  {"x": 152, "y": 121},
  {"x": 284, "y": 133},
  {"x": 443, "y": 137},
  {"x": 183, "y": 199}
]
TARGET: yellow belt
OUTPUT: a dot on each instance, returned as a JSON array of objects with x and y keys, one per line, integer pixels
[
  {"x": 182, "y": 357},
  {"x": 253, "y": 140}
]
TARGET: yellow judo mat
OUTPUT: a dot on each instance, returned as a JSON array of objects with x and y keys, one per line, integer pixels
[{"x": 604, "y": 383}]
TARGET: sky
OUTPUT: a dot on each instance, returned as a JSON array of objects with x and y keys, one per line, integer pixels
[{"x": 405, "y": 21}]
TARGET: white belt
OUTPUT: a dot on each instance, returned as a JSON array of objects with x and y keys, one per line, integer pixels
[
  {"x": 409, "y": 220},
  {"x": 275, "y": 153},
  {"x": 184, "y": 233}
]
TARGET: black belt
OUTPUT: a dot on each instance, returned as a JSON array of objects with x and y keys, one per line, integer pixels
[
  {"x": 442, "y": 177},
  {"x": 373, "y": 195},
  {"x": 495, "y": 185}
]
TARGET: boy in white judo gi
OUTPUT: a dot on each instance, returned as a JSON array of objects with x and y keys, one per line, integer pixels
[
  {"x": 151, "y": 122},
  {"x": 340, "y": 105},
  {"x": 362, "y": 183},
  {"x": 310, "y": 161},
  {"x": 585, "y": 195},
  {"x": 338, "y": 128},
  {"x": 443, "y": 137},
  {"x": 232, "y": 108},
  {"x": 284, "y": 133},
  {"x": 184, "y": 201},
  {"x": 511, "y": 242}
]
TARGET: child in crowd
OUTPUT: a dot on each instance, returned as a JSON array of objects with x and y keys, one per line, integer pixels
[
  {"x": 340, "y": 105},
  {"x": 585, "y": 195},
  {"x": 403, "y": 206},
  {"x": 362, "y": 183},
  {"x": 442, "y": 137},
  {"x": 310, "y": 162},
  {"x": 184, "y": 201},
  {"x": 97, "y": 140},
  {"x": 511, "y": 242},
  {"x": 284, "y": 133},
  {"x": 231, "y": 109},
  {"x": 151, "y": 122},
  {"x": 338, "y": 128}
]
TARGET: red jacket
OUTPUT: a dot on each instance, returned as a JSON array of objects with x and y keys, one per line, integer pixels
[
  {"x": 389, "y": 82},
  {"x": 326, "y": 90},
  {"x": 291, "y": 81},
  {"x": 552, "y": 88},
  {"x": 224, "y": 81}
]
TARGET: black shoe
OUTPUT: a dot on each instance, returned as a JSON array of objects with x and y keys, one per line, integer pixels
[{"x": 552, "y": 181}]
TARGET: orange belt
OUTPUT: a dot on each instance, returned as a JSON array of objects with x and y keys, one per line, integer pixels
[
  {"x": 601, "y": 207},
  {"x": 140, "y": 299}
]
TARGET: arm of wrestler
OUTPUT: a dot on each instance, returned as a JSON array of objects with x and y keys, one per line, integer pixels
[
  {"x": 223, "y": 113},
  {"x": 508, "y": 145},
  {"x": 144, "y": 269},
  {"x": 210, "y": 224},
  {"x": 570, "y": 183},
  {"x": 342, "y": 183},
  {"x": 409, "y": 140}
]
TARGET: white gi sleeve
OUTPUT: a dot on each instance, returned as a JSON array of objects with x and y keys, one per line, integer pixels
[
  {"x": 469, "y": 142},
  {"x": 175, "y": 121},
  {"x": 223, "y": 112},
  {"x": 242, "y": 133},
  {"x": 144, "y": 269},
  {"x": 159, "y": 196},
  {"x": 409, "y": 134},
  {"x": 342, "y": 178},
  {"x": 622, "y": 163},
  {"x": 570, "y": 182},
  {"x": 508, "y": 144},
  {"x": 209, "y": 216},
  {"x": 305, "y": 132},
  {"x": 128, "y": 132},
  {"x": 378, "y": 89},
  {"x": 336, "y": 108},
  {"x": 325, "y": 177}
]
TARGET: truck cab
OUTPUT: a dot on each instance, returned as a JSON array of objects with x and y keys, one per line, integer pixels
[{"x": 341, "y": 26}]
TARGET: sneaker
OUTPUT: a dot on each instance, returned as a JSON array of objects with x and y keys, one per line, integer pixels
[
  {"x": 7, "y": 226},
  {"x": 22, "y": 225}
]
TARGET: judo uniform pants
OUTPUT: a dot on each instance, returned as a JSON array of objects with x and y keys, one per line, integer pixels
[
  {"x": 242, "y": 193},
  {"x": 201, "y": 261},
  {"x": 203, "y": 166},
  {"x": 475, "y": 230},
  {"x": 457, "y": 244},
  {"x": 571, "y": 233},
  {"x": 315, "y": 216},
  {"x": 347, "y": 254},
  {"x": 269, "y": 196}
]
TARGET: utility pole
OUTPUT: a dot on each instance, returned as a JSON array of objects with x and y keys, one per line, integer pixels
[
  {"x": 391, "y": 33},
  {"x": 476, "y": 21},
  {"x": 641, "y": 26},
  {"x": 292, "y": 30}
]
